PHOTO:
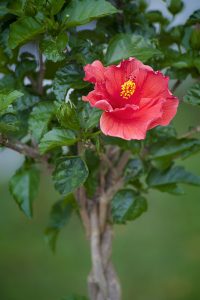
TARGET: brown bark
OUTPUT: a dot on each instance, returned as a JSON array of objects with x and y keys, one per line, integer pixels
[{"x": 103, "y": 283}]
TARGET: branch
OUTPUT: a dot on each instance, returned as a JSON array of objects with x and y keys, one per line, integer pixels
[
  {"x": 105, "y": 198},
  {"x": 19, "y": 147},
  {"x": 82, "y": 202},
  {"x": 176, "y": 85},
  {"x": 98, "y": 270},
  {"x": 41, "y": 74},
  {"x": 122, "y": 162}
]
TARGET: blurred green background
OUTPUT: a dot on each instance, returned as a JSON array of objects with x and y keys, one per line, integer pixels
[{"x": 157, "y": 256}]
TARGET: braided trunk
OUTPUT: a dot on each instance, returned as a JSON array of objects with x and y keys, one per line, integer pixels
[{"x": 103, "y": 283}]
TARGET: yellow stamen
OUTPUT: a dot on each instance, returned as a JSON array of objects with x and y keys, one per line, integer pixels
[{"x": 127, "y": 89}]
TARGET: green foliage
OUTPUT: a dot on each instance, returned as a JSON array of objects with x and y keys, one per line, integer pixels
[
  {"x": 193, "y": 95},
  {"x": 53, "y": 47},
  {"x": 125, "y": 45},
  {"x": 70, "y": 173},
  {"x": 57, "y": 138},
  {"x": 23, "y": 30},
  {"x": 69, "y": 76},
  {"x": 59, "y": 216},
  {"x": 167, "y": 180},
  {"x": 80, "y": 12},
  {"x": 194, "y": 18},
  {"x": 175, "y": 6},
  {"x": 40, "y": 118},
  {"x": 127, "y": 206},
  {"x": 68, "y": 116},
  {"x": 134, "y": 169},
  {"x": 162, "y": 154},
  {"x": 7, "y": 98},
  {"x": 24, "y": 187}
]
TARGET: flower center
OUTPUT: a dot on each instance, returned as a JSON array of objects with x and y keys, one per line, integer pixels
[{"x": 127, "y": 89}]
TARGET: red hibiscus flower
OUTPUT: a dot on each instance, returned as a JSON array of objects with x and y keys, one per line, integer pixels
[{"x": 133, "y": 96}]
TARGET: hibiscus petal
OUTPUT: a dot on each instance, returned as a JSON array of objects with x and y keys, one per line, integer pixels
[
  {"x": 126, "y": 113},
  {"x": 115, "y": 76},
  {"x": 103, "y": 105},
  {"x": 129, "y": 129},
  {"x": 114, "y": 79},
  {"x": 169, "y": 111},
  {"x": 96, "y": 100},
  {"x": 94, "y": 72},
  {"x": 131, "y": 68},
  {"x": 154, "y": 85},
  {"x": 92, "y": 97}
]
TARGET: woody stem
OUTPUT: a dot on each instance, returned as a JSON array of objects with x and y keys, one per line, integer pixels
[{"x": 103, "y": 283}]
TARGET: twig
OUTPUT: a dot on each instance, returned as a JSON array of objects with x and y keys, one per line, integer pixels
[
  {"x": 191, "y": 132},
  {"x": 19, "y": 147},
  {"x": 41, "y": 73},
  {"x": 117, "y": 183},
  {"x": 122, "y": 162},
  {"x": 82, "y": 202},
  {"x": 176, "y": 85},
  {"x": 33, "y": 82}
]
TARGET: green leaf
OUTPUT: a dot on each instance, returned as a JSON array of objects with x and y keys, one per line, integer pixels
[
  {"x": 23, "y": 30},
  {"x": 156, "y": 16},
  {"x": 126, "y": 205},
  {"x": 92, "y": 182},
  {"x": 163, "y": 153},
  {"x": 26, "y": 101},
  {"x": 122, "y": 46},
  {"x": 9, "y": 123},
  {"x": 68, "y": 117},
  {"x": 57, "y": 138},
  {"x": 53, "y": 47},
  {"x": 3, "y": 58},
  {"x": 70, "y": 173},
  {"x": 81, "y": 12},
  {"x": 24, "y": 187},
  {"x": 134, "y": 169},
  {"x": 7, "y": 83},
  {"x": 40, "y": 118},
  {"x": 175, "y": 6},
  {"x": 70, "y": 76},
  {"x": 7, "y": 98},
  {"x": 167, "y": 180},
  {"x": 193, "y": 95},
  {"x": 163, "y": 132},
  {"x": 56, "y": 6},
  {"x": 194, "y": 18},
  {"x": 89, "y": 116},
  {"x": 59, "y": 216},
  {"x": 134, "y": 146},
  {"x": 3, "y": 10},
  {"x": 195, "y": 39}
]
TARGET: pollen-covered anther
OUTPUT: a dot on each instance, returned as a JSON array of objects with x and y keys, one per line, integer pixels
[{"x": 127, "y": 89}]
